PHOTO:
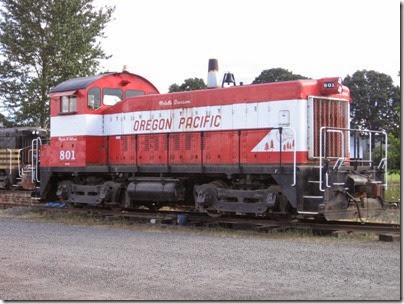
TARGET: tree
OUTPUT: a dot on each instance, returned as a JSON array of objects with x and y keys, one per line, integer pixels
[
  {"x": 375, "y": 101},
  {"x": 4, "y": 123},
  {"x": 189, "y": 84},
  {"x": 394, "y": 153},
  {"x": 275, "y": 75},
  {"x": 44, "y": 42}
]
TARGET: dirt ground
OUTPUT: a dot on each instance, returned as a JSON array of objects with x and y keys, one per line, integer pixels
[{"x": 50, "y": 261}]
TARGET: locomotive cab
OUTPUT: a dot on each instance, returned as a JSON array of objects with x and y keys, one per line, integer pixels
[
  {"x": 94, "y": 94},
  {"x": 77, "y": 108}
]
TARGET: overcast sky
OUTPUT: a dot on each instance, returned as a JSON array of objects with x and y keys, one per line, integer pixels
[{"x": 169, "y": 41}]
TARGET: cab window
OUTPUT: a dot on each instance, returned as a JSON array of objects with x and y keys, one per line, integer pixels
[
  {"x": 133, "y": 93},
  {"x": 112, "y": 96},
  {"x": 68, "y": 104},
  {"x": 94, "y": 98}
]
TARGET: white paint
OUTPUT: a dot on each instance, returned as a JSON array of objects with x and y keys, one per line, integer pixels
[
  {"x": 232, "y": 117},
  {"x": 76, "y": 125},
  {"x": 272, "y": 142},
  {"x": 213, "y": 79},
  {"x": 67, "y": 155}
]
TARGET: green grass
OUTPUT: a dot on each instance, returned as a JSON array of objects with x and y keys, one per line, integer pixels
[
  {"x": 393, "y": 192},
  {"x": 394, "y": 178}
]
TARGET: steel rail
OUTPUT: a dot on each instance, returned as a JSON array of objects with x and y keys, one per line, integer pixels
[{"x": 195, "y": 218}]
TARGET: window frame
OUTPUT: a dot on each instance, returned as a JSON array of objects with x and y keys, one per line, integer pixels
[
  {"x": 100, "y": 98},
  {"x": 71, "y": 104},
  {"x": 103, "y": 96}
]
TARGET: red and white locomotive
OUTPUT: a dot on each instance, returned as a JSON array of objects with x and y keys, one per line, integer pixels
[{"x": 276, "y": 148}]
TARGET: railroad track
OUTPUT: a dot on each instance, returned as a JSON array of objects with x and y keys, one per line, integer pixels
[{"x": 234, "y": 221}]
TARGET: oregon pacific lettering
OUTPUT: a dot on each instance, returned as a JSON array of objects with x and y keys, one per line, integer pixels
[{"x": 188, "y": 123}]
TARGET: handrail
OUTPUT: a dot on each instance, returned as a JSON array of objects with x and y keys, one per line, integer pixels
[
  {"x": 19, "y": 165},
  {"x": 339, "y": 163},
  {"x": 382, "y": 163},
  {"x": 320, "y": 184},
  {"x": 20, "y": 169},
  {"x": 339, "y": 130},
  {"x": 294, "y": 154},
  {"x": 370, "y": 146},
  {"x": 343, "y": 139},
  {"x": 32, "y": 160},
  {"x": 37, "y": 159},
  {"x": 35, "y": 145}
]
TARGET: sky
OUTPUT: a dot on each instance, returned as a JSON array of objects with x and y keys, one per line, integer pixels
[{"x": 170, "y": 41}]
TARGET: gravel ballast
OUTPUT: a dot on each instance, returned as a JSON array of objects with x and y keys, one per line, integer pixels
[{"x": 48, "y": 261}]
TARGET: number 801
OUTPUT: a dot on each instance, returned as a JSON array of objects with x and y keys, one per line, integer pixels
[{"x": 67, "y": 155}]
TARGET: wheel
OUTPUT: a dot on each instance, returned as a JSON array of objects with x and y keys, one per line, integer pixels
[
  {"x": 210, "y": 197},
  {"x": 283, "y": 204}
]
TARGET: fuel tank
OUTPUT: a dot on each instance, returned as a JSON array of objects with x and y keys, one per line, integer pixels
[{"x": 156, "y": 190}]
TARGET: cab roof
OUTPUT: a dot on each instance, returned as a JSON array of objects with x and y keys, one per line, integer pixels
[
  {"x": 77, "y": 83},
  {"x": 83, "y": 82}
]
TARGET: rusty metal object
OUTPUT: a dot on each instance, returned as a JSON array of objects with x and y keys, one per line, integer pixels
[{"x": 26, "y": 181}]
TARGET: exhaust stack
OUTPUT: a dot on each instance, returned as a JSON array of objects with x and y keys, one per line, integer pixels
[{"x": 213, "y": 74}]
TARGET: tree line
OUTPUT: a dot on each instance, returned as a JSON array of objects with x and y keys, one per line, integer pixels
[{"x": 44, "y": 42}]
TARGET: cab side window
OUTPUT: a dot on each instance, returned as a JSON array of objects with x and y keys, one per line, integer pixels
[
  {"x": 94, "y": 98},
  {"x": 112, "y": 96},
  {"x": 68, "y": 104}
]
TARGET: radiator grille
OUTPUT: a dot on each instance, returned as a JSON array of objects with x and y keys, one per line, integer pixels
[
  {"x": 125, "y": 143},
  {"x": 146, "y": 146},
  {"x": 188, "y": 139},
  {"x": 156, "y": 142},
  {"x": 330, "y": 113},
  {"x": 176, "y": 138}
]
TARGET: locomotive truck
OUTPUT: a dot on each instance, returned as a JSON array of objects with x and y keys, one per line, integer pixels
[{"x": 268, "y": 149}]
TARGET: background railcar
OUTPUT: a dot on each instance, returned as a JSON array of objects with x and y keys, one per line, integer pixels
[
  {"x": 258, "y": 149},
  {"x": 18, "y": 156}
]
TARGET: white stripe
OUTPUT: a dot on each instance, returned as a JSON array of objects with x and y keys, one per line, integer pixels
[
  {"x": 232, "y": 117},
  {"x": 76, "y": 125}
]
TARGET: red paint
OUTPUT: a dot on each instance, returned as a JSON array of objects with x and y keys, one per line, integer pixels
[
  {"x": 220, "y": 147},
  {"x": 124, "y": 81}
]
